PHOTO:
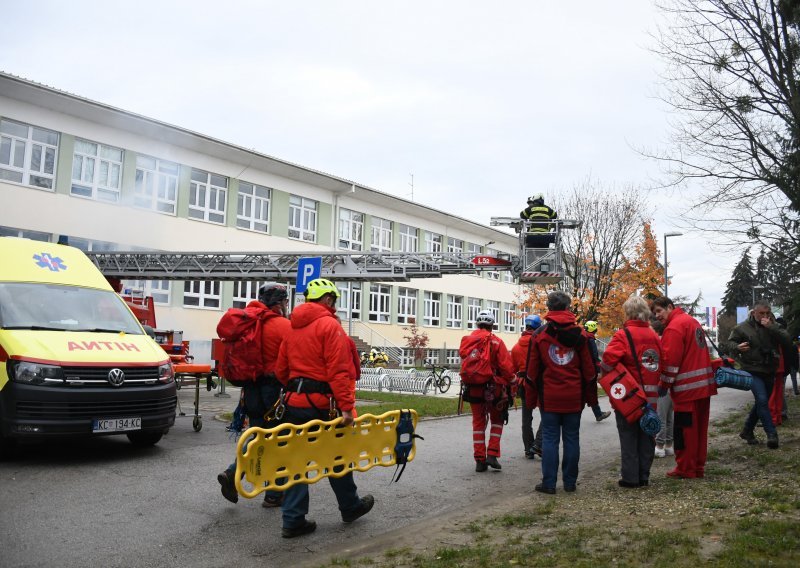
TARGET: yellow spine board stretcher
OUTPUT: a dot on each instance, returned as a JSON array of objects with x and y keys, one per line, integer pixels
[{"x": 277, "y": 458}]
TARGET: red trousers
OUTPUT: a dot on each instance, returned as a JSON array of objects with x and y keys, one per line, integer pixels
[
  {"x": 775, "y": 402},
  {"x": 481, "y": 411},
  {"x": 691, "y": 437}
]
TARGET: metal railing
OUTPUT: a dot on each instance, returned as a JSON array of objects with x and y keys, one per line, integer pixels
[{"x": 373, "y": 338}]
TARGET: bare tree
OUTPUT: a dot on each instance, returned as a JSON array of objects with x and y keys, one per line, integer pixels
[
  {"x": 611, "y": 224},
  {"x": 733, "y": 80}
]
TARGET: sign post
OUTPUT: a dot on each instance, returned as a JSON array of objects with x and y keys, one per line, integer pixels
[{"x": 308, "y": 269}]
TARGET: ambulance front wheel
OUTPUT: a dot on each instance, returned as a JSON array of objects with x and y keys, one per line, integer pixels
[
  {"x": 144, "y": 439},
  {"x": 197, "y": 423}
]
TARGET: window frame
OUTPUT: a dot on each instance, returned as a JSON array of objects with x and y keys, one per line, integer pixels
[
  {"x": 349, "y": 292},
  {"x": 432, "y": 244},
  {"x": 162, "y": 184},
  {"x": 94, "y": 189},
  {"x": 494, "y": 307},
  {"x": 244, "y": 292},
  {"x": 473, "y": 310},
  {"x": 455, "y": 312},
  {"x": 207, "y": 189},
  {"x": 253, "y": 210},
  {"x": 380, "y": 303},
  {"x": 350, "y": 230},
  {"x": 432, "y": 311},
  {"x": 510, "y": 318},
  {"x": 409, "y": 238},
  {"x": 407, "y": 305},
  {"x": 303, "y": 213},
  {"x": 204, "y": 297},
  {"x": 26, "y": 171},
  {"x": 381, "y": 234}
]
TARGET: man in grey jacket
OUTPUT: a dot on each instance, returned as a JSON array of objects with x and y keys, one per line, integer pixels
[{"x": 755, "y": 343}]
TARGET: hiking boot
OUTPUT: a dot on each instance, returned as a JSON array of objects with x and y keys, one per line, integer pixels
[
  {"x": 364, "y": 507},
  {"x": 772, "y": 440},
  {"x": 627, "y": 484},
  {"x": 603, "y": 415},
  {"x": 271, "y": 502},
  {"x": 530, "y": 455},
  {"x": 660, "y": 452},
  {"x": 306, "y": 528},
  {"x": 644, "y": 483},
  {"x": 536, "y": 450},
  {"x": 228, "y": 486},
  {"x": 481, "y": 466},
  {"x": 570, "y": 488},
  {"x": 492, "y": 462},
  {"x": 542, "y": 489},
  {"x": 749, "y": 437}
]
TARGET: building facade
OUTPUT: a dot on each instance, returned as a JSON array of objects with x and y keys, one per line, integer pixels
[{"x": 108, "y": 179}]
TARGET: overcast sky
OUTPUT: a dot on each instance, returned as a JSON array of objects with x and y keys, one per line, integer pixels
[{"x": 484, "y": 103}]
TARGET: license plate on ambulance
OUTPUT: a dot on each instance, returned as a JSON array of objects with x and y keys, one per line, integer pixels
[{"x": 116, "y": 424}]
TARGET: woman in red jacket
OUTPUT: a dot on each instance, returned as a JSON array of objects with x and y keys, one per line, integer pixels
[{"x": 637, "y": 347}]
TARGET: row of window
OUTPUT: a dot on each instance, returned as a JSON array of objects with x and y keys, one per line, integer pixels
[{"x": 28, "y": 155}]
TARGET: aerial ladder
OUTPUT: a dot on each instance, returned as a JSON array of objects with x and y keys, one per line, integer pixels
[{"x": 539, "y": 261}]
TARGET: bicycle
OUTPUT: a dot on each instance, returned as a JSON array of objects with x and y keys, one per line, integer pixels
[{"x": 438, "y": 379}]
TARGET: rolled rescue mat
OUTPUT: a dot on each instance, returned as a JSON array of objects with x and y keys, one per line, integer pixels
[
  {"x": 650, "y": 423},
  {"x": 733, "y": 378}
]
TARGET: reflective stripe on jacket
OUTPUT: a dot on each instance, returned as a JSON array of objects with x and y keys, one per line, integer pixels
[
  {"x": 687, "y": 364},
  {"x": 538, "y": 213}
]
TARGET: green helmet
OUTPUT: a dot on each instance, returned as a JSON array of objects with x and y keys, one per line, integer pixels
[
  {"x": 590, "y": 326},
  {"x": 318, "y": 288}
]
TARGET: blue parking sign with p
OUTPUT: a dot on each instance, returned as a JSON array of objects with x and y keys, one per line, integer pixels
[{"x": 308, "y": 269}]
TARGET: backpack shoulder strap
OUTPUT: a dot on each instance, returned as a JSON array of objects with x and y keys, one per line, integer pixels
[{"x": 634, "y": 354}]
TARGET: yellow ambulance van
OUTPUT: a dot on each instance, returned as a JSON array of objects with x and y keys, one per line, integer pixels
[{"x": 73, "y": 358}]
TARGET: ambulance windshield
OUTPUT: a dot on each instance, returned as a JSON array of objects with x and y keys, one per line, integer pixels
[{"x": 63, "y": 308}]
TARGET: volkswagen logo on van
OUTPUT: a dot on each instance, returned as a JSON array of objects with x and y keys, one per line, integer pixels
[{"x": 116, "y": 377}]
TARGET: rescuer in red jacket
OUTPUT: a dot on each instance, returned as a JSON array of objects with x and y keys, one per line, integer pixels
[
  {"x": 644, "y": 364},
  {"x": 316, "y": 363},
  {"x": 519, "y": 356},
  {"x": 687, "y": 374},
  {"x": 262, "y": 394},
  {"x": 489, "y": 398},
  {"x": 560, "y": 368}
]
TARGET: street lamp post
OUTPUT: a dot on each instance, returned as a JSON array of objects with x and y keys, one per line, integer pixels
[{"x": 666, "y": 277}]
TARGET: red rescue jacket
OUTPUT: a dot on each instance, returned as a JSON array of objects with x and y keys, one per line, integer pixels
[
  {"x": 519, "y": 353},
  {"x": 560, "y": 372},
  {"x": 687, "y": 365},
  {"x": 318, "y": 348},
  {"x": 648, "y": 353}
]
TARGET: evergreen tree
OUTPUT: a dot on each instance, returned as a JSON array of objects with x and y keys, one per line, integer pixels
[
  {"x": 739, "y": 290},
  {"x": 762, "y": 277}
]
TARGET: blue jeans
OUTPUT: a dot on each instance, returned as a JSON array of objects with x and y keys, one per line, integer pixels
[
  {"x": 555, "y": 427},
  {"x": 296, "y": 499},
  {"x": 762, "y": 389},
  {"x": 258, "y": 399}
]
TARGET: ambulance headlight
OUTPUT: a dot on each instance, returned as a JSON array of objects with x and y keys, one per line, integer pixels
[
  {"x": 35, "y": 373},
  {"x": 165, "y": 373}
]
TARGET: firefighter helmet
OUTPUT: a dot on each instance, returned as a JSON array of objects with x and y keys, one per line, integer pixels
[
  {"x": 319, "y": 287},
  {"x": 536, "y": 197}
]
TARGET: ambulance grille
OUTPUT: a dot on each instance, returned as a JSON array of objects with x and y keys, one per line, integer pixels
[
  {"x": 95, "y": 409},
  {"x": 98, "y": 376}
]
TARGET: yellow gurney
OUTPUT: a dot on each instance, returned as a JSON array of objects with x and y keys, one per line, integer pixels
[{"x": 282, "y": 456}]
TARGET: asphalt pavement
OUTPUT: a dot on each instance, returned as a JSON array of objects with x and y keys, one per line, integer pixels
[{"x": 102, "y": 502}]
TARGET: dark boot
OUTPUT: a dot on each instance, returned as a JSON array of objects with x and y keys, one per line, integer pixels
[
  {"x": 772, "y": 441},
  {"x": 749, "y": 437},
  {"x": 481, "y": 466},
  {"x": 492, "y": 462}
]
